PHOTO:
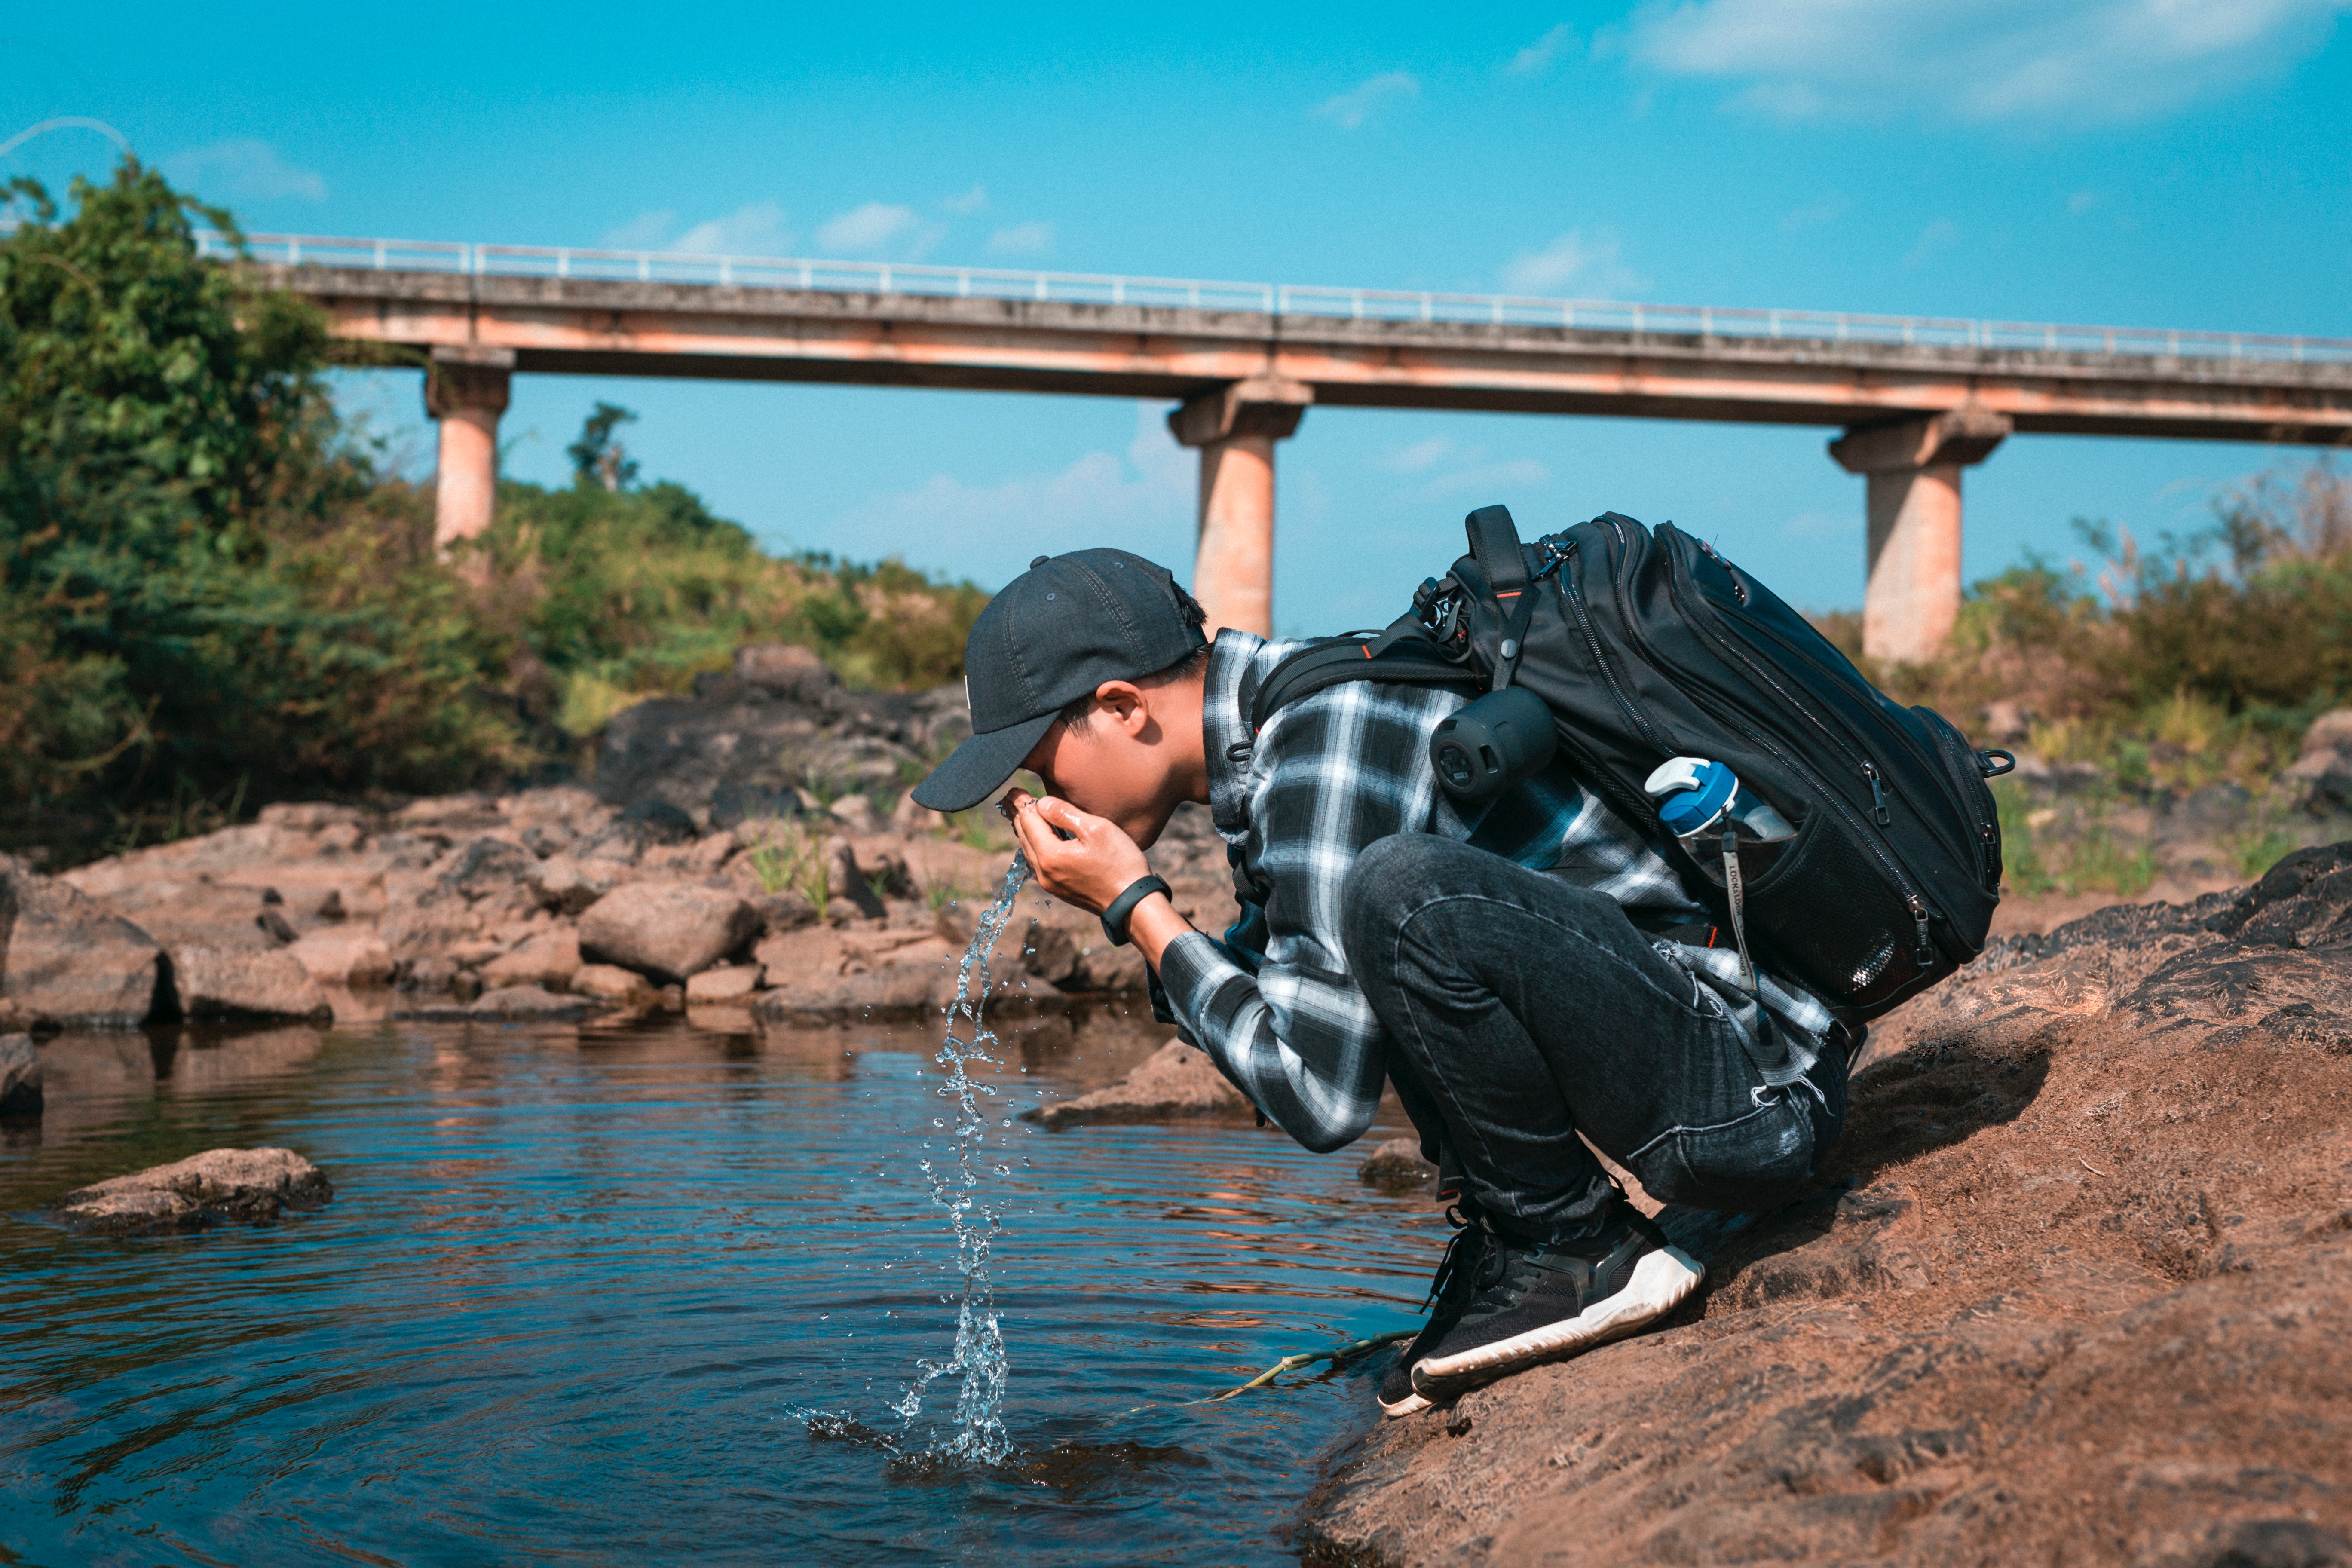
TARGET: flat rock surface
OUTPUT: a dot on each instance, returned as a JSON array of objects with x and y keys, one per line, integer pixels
[
  {"x": 246, "y": 983},
  {"x": 522, "y": 1003},
  {"x": 666, "y": 929},
  {"x": 249, "y": 1186},
  {"x": 1176, "y": 1083},
  {"x": 65, "y": 959},
  {"x": 2076, "y": 1286}
]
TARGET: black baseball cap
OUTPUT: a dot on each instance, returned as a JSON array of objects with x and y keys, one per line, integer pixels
[{"x": 1055, "y": 633}]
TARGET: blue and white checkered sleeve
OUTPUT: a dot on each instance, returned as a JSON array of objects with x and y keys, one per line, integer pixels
[{"x": 1333, "y": 774}]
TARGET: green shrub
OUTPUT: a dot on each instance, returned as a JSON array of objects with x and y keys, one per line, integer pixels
[
  {"x": 2202, "y": 661},
  {"x": 210, "y": 598}
]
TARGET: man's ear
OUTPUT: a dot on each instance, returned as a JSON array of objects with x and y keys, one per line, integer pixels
[{"x": 1121, "y": 702}]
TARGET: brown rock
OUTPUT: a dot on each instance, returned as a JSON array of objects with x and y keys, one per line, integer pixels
[
  {"x": 523, "y": 1004},
  {"x": 910, "y": 817},
  {"x": 666, "y": 929},
  {"x": 854, "y": 814},
  {"x": 344, "y": 957},
  {"x": 2076, "y": 1286},
  {"x": 250, "y": 1186},
  {"x": 849, "y": 881},
  {"x": 898, "y": 989},
  {"x": 1050, "y": 953},
  {"x": 783, "y": 669},
  {"x": 240, "y": 983},
  {"x": 611, "y": 983},
  {"x": 568, "y": 885},
  {"x": 1176, "y": 1083},
  {"x": 1395, "y": 1163},
  {"x": 734, "y": 983},
  {"x": 1102, "y": 967},
  {"x": 785, "y": 911},
  {"x": 66, "y": 959},
  {"x": 549, "y": 959},
  {"x": 20, "y": 1076}
]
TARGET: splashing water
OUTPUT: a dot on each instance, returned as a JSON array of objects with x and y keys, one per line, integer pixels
[{"x": 979, "y": 1356}]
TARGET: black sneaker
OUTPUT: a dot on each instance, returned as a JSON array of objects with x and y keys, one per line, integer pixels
[
  {"x": 1449, "y": 1292},
  {"x": 1542, "y": 1302}
]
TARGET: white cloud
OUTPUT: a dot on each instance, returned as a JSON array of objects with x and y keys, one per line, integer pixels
[
  {"x": 1022, "y": 239},
  {"x": 1572, "y": 261},
  {"x": 1488, "y": 482},
  {"x": 1352, "y": 108},
  {"x": 1828, "y": 209},
  {"x": 754, "y": 230},
  {"x": 972, "y": 201},
  {"x": 1934, "y": 240},
  {"x": 1537, "y": 57},
  {"x": 876, "y": 228},
  {"x": 1419, "y": 457},
  {"x": 1810, "y": 527},
  {"x": 643, "y": 232},
  {"x": 1979, "y": 59},
  {"x": 244, "y": 168},
  {"x": 1141, "y": 499}
]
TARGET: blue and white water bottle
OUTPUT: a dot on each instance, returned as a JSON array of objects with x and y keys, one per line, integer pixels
[{"x": 1701, "y": 804}]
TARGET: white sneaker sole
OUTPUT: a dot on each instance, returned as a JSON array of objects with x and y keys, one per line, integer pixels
[
  {"x": 1662, "y": 1281},
  {"x": 1411, "y": 1404}
]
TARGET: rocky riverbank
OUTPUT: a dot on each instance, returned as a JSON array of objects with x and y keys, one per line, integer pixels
[
  {"x": 701, "y": 872},
  {"x": 2075, "y": 1287},
  {"x": 546, "y": 902}
]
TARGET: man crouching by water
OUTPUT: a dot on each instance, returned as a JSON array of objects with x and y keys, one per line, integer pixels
[{"x": 1494, "y": 967}]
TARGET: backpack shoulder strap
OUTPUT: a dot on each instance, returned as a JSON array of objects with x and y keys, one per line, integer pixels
[{"x": 1399, "y": 655}]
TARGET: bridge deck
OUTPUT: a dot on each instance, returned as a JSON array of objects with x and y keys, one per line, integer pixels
[{"x": 2268, "y": 389}]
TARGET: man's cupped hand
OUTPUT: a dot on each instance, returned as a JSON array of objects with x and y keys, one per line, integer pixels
[{"x": 1092, "y": 867}]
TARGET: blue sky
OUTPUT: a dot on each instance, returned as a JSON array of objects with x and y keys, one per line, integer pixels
[{"x": 2177, "y": 163}]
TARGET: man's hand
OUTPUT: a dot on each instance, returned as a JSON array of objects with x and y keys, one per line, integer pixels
[{"x": 1095, "y": 865}]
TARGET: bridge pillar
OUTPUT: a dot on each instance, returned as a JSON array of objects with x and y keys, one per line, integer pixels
[
  {"x": 465, "y": 390},
  {"x": 1235, "y": 426},
  {"x": 1913, "y": 471}
]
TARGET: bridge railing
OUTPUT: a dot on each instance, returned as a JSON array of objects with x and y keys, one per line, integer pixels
[{"x": 1636, "y": 318}]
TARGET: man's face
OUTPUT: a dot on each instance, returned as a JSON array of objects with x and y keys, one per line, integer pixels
[{"x": 1114, "y": 766}]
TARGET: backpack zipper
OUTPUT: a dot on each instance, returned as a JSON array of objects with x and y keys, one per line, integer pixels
[
  {"x": 1872, "y": 842},
  {"x": 1741, "y": 657},
  {"x": 1592, "y": 642},
  {"x": 1877, "y": 794}
]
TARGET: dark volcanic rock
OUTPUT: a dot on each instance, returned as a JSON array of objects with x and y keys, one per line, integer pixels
[
  {"x": 250, "y": 1186},
  {"x": 20, "y": 1076},
  {"x": 740, "y": 745},
  {"x": 2076, "y": 1286}
]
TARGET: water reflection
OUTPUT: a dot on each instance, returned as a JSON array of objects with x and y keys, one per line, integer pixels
[{"x": 583, "y": 1288}]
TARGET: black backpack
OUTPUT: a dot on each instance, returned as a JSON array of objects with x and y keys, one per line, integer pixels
[{"x": 1651, "y": 645}]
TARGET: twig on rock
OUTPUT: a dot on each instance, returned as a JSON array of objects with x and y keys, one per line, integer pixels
[{"x": 1336, "y": 1357}]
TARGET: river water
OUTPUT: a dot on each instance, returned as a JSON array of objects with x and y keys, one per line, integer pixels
[{"x": 648, "y": 1294}]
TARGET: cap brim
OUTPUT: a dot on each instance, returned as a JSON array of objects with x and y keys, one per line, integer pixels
[{"x": 978, "y": 768}]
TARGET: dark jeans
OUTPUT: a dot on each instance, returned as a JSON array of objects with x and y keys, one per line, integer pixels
[{"x": 1521, "y": 1011}]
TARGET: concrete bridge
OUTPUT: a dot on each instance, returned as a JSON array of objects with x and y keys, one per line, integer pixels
[{"x": 1917, "y": 399}]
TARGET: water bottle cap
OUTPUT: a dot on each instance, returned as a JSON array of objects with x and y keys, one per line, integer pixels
[{"x": 1693, "y": 804}]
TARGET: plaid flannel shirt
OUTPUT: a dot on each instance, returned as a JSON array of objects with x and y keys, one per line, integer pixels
[{"x": 1273, "y": 1003}]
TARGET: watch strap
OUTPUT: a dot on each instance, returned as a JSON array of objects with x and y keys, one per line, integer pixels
[{"x": 1115, "y": 917}]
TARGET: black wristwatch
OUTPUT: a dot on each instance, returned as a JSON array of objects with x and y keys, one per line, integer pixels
[{"x": 1115, "y": 917}]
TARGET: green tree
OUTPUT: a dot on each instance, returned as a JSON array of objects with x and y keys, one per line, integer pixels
[
  {"x": 596, "y": 457},
  {"x": 201, "y": 590}
]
